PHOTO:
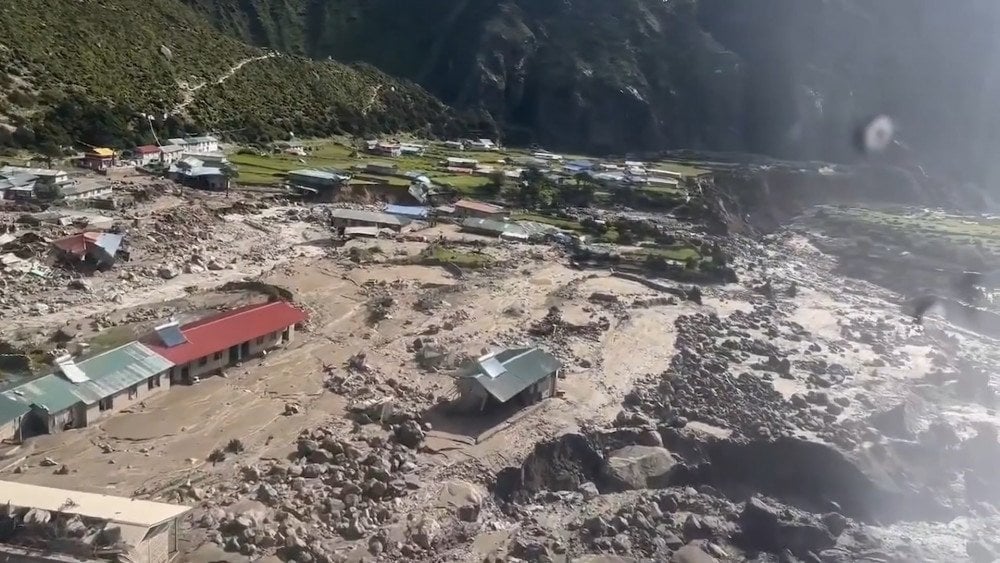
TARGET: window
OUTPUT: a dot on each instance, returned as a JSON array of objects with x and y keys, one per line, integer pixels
[
  {"x": 106, "y": 404},
  {"x": 202, "y": 361},
  {"x": 149, "y": 384},
  {"x": 133, "y": 391},
  {"x": 260, "y": 340},
  {"x": 217, "y": 356}
]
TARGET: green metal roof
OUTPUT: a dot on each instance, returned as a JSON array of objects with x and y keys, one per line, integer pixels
[
  {"x": 11, "y": 409},
  {"x": 511, "y": 371},
  {"x": 50, "y": 392},
  {"x": 119, "y": 369},
  {"x": 108, "y": 373}
]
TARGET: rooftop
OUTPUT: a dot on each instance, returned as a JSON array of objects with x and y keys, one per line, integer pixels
[
  {"x": 506, "y": 373},
  {"x": 121, "y": 510},
  {"x": 219, "y": 332},
  {"x": 320, "y": 175},
  {"x": 11, "y": 409},
  {"x": 498, "y": 227},
  {"x": 40, "y": 172},
  {"x": 368, "y": 217},
  {"x": 90, "y": 380},
  {"x": 408, "y": 210},
  {"x": 80, "y": 243},
  {"x": 478, "y": 206},
  {"x": 147, "y": 149},
  {"x": 102, "y": 152}
]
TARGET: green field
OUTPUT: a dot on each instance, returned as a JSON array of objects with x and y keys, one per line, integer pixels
[{"x": 565, "y": 224}]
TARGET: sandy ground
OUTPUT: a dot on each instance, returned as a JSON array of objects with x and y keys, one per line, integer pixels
[{"x": 165, "y": 441}]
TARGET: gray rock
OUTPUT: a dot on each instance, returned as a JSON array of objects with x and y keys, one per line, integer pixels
[
  {"x": 588, "y": 490},
  {"x": 901, "y": 421},
  {"x": 638, "y": 467},
  {"x": 267, "y": 494},
  {"x": 692, "y": 553},
  {"x": 979, "y": 552},
  {"x": 168, "y": 272}
]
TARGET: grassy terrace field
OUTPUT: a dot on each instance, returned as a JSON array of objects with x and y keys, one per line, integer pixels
[{"x": 339, "y": 153}]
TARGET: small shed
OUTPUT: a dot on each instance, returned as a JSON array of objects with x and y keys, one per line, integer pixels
[
  {"x": 527, "y": 375},
  {"x": 95, "y": 249}
]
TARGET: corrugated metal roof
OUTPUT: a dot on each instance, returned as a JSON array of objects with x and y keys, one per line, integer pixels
[
  {"x": 102, "y": 152},
  {"x": 219, "y": 332},
  {"x": 407, "y": 210},
  {"x": 507, "y": 373},
  {"x": 368, "y": 217},
  {"x": 11, "y": 409},
  {"x": 108, "y": 373},
  {"x": 491, "y": 226},
  {"x": 478, "y": 206},
  {"x": 118, "y": 369},
  {"x": 50, "y": 392},
  {"x": 319, "y": 175}
]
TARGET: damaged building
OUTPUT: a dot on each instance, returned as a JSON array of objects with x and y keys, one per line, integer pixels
[
  {"x": 522, "y": 375},
  {"x": 96, "y": 250},
  {"x": 43, "y": 524}
]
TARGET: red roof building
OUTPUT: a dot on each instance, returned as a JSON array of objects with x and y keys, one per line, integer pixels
[
  {"x": 147, "y": 150},
  {"x": 229, "y": 336}
]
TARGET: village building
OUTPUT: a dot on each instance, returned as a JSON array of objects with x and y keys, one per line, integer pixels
[
  {"x": 472, "y": 208},
  {"x": 18, "y": 186},
  {"x": 293, "y": 146},
  {"x": 26, "y": 180},
  {"x": 99, "y": 159},
  {"x": 193, "y": 172},
  {"x": 340, "y": 219},
  {"x": 107, "y": 527},
  {"x": 87, "y": 190},
  {"x": 197, "y": 145},
  {"x": 384, "y": 149},
  {"x": 146, "y": 154},
  {"x": 661, "y": 173},
  {"x": 411, "y": 148},
  {"x": 524, "y": 375},
  {"x": 12, "y": 414},
  {"x": 79, "y": 394},
  {"x": 170, "y": 154},
  {"x": 316, "y": 180},
  {"x": 97, "y": 250},
  {"x": 210, "y": 345},
  {"x": 547, "y": 156},
  {"x": 454, "y": 145},
  {"x": 662, "y": 182},
  {"x": 492, "y": 228},
  {"x": 481, "y": 145},
  {"x": 383, "y": 168},
  {"x": 408, "y": 211},
  {"x": 455, "y": 162}
]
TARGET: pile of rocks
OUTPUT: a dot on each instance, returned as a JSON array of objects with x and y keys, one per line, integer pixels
[
  {"x": 699, "y": 386},
  {"x": 332, "y": 488}
]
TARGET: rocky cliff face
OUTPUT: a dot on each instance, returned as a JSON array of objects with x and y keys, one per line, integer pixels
[{"x": 788, "y": 78}]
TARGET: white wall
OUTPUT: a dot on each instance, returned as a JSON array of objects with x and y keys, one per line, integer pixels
[{"x": 212, "y": 364}]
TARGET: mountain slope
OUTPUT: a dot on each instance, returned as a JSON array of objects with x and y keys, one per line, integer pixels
[
  {"x": 74, "y": 72},
  {"x": 790, "y": 78}
]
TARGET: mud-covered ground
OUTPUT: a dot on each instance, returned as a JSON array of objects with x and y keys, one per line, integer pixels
[{"x": 797, "y": 415}]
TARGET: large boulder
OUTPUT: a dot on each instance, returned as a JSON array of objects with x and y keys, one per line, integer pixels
[
  {"x": 637, "y": 467},
  {"x": 901, "y": 421},
  {"x": 770, "y": 526},
  {"x": 692, "y": 553}
]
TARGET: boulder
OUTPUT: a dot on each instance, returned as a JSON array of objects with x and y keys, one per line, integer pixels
[
  {"x": 409, "y": 434},
  {"x": 901, "y": 421},
  {"x": 770, "y": 526},
  {"x": 692, "y": 553},
  {"x": 637, "y": 467},
  {"x": 168, "y": 272}
]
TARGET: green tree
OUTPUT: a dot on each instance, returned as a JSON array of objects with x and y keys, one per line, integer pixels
[{"x": 498, "y": 180}]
